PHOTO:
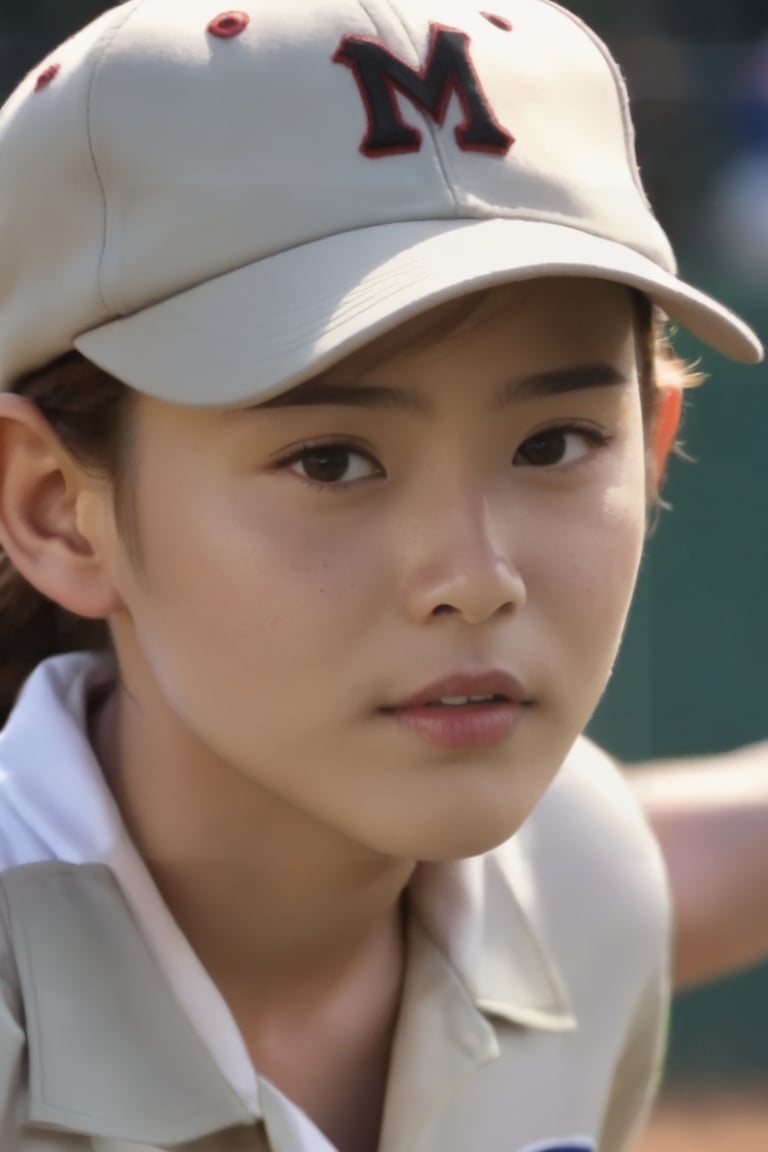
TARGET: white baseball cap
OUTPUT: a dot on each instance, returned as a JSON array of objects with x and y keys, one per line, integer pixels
[{"x": 213, "y": 206}]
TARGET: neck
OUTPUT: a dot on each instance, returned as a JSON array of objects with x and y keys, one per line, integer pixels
[
  {"x": 268, "y": 897},
  {"x": 299, "y": 927}
]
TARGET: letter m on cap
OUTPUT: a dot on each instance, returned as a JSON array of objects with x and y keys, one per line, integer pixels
[{"x": 449, "y": 71}]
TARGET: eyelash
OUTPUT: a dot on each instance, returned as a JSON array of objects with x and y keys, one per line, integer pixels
[
  {"x": 594, "y": 436},
  {"x": 309, "y": 446}
]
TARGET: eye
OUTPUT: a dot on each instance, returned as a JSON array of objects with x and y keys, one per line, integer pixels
[
  {"x": 560, "y": 446},
  {"x": 332, "y": 464}
]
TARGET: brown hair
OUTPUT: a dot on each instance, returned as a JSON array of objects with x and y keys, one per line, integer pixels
[{"x": 90, "y": 412}]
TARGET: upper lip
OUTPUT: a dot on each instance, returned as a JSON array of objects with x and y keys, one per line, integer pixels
[{"x": 493, "y": 683}]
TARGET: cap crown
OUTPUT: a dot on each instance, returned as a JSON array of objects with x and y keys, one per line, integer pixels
[{"x": 162, "y": 154}]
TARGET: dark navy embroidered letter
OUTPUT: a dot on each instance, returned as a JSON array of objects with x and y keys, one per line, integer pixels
[{"x": 448, "y": 71}]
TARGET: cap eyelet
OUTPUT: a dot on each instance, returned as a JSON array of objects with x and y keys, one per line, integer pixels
[
  {"x": 229, "y": 24},
  {"x": 47, "y": 76},
  {"x": 498, "y": 21}
]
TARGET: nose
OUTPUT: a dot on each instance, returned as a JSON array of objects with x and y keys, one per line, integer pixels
[{"x": 462, "y": 565}]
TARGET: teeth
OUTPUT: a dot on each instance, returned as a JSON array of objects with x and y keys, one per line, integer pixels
[{"x": 459, "y": 701}]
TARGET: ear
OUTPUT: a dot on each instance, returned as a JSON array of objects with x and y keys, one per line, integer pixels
[
  {"x": 667, "y": 424},
  {"x": 53, "y": 515}
]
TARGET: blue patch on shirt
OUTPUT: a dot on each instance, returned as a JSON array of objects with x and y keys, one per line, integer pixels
[{"x": 560, "y": 1146}]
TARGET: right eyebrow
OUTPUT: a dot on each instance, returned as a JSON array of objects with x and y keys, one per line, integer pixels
[{"x": 316, "y": 392}]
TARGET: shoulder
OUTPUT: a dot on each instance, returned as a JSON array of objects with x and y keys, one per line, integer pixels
[
  {"x": 589, "y": 827},
  {"x": 12, "y": 1037},
  {"x": 53, "y": 801},
  {"x": 597, "y": 881}
]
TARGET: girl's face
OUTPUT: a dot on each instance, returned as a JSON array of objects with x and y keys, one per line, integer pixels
[{"x": 457, "y": 515}]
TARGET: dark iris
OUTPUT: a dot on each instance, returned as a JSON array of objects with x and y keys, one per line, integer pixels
[
  {"x": 544, "y": 450},
  {"x": 326, "y": 464}
]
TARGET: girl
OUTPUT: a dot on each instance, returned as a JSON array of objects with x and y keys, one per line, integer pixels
[{"x": 334, "y": 396}]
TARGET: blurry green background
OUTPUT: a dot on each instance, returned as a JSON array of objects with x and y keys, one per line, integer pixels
[
  {"x": 693, "y": 672},
  {"x": 694, "y": 668}
]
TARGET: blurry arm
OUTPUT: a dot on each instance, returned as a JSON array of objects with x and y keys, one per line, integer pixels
[{"x": 711, "y": 818}]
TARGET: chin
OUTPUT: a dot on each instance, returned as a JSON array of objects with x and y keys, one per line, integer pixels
[
  {"x": 471, "y": 843},
  {"x": 454, "y": 838}
]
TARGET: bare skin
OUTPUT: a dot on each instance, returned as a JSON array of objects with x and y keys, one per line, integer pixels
[{"x": 711, "y": 818}]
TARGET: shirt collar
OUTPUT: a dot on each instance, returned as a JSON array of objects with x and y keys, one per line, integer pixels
[
  {"x": 476, "y": 967},
  {"x": 482, "y": 913},
  {"x": 78, "y": 822},
  {"x": 99, "y": 1067},
  {"x": 110, "y": 1051}
]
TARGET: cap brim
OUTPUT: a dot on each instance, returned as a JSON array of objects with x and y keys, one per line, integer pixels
[{"x": 258, "y": 330}]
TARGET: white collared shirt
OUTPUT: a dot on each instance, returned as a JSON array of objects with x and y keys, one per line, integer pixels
[{"x": 534, "y": 999}]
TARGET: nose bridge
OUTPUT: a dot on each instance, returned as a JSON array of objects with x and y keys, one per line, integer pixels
[
  {"x": 465, "y": 558},
  {"x": 476, "y": 526}
]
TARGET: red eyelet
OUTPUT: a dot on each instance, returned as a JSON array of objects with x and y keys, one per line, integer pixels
[
  {"x": 498, "y": 21},
  {"x": 229, "y": 24},
  {"x": 47, "y": 76}
]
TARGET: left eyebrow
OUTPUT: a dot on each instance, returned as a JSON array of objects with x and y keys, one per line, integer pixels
[
  {"x": 553, "y": 383},
  {"x": 313, "y": 393}
]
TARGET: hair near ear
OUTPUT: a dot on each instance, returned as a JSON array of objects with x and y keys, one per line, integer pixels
[
  {"x": 662, "y": 372},
  {"x": 88, "y": 410}
]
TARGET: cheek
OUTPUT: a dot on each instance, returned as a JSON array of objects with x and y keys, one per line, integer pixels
[
  {"x": 599, "y": 560},
  {"x": 246, "y": 595},
  {"x": 587, "y": 576}
]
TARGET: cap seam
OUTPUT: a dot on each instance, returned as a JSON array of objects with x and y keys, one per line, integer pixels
[
  {"x": 431, "y": 129},
  {"x": 108, "y": 40},
  {"x": 621, "y": 88}
]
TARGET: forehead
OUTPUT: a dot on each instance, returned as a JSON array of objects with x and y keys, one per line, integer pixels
[
  {"x": 524, "y": 341},
  {"x": 534, "y": 315}
]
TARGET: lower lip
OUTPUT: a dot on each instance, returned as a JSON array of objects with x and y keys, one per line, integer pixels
[{"x": 461, "y": 728}]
